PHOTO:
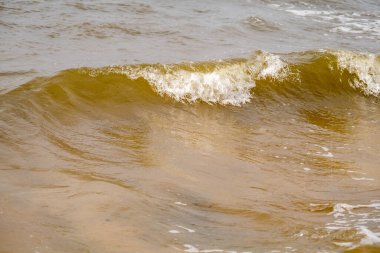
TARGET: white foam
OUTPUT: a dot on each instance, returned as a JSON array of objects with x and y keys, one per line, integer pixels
[
  {"x": 366, "y": 223},
  {"x": 340, "y": 208},
  {"x": 362, "y": 179},
  {"x": 230, "y": 84},
  {"x": 344, "y": 22},
  {"x": 304, "y": 13},
  {"x": 327, "y": 154},
  {"x": 358, "y": 26},
  {"x": 274, "y": 67},
  {"x": 180, "y": 203},
  {"x": 343, "y": 244},
  {"x": 370, "y": 237},
  {"x": 226, "y": 83},
  {"x": 192, "y": 249},
  {"x": 173, "y": 231},
  {"x": 185, "y": 228},
  {"x": 366, "y": 67},
  {"x": 345, "y": 29}
]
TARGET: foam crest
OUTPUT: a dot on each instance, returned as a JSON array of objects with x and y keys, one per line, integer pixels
[
  {"x": 366, "y": 68},
  {"x": 230, "y": 82},
  {"x": 273, "y": 67},
  {"x": 224, "y": 85},
  {"x": 222, "y": 82}
]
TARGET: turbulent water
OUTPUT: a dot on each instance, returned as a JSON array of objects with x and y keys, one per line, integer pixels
[{"x": 188, "y": 126}]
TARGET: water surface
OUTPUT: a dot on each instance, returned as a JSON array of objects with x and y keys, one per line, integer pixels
[{"x": 166, "y": 126}]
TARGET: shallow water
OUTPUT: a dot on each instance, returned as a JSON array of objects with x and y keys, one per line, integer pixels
[{"x": 189, "y": 127}]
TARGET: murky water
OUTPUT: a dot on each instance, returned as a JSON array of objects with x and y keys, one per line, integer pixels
[{"x": 213, "y": 126}]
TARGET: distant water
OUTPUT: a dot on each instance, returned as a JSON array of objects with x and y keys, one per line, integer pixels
[
  {"x": 189, "y": 126},
  {"x": 42, "y": 37}
]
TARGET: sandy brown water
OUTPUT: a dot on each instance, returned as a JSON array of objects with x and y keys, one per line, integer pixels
[{"x": 252, "y": 152}]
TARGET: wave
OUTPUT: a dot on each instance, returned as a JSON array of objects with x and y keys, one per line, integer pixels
[
  {"x": 342, "y": 211},
  {"x": 225, "y": 82}
]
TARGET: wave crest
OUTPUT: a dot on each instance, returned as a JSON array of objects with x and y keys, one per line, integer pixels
[
  {"x": 365, "y": 67},
  {"x": 224, "y": 82},
  {"x": 305, "y": 75}
]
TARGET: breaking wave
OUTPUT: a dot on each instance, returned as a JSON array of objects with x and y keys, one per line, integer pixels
[{"x": 225, "y": 82}]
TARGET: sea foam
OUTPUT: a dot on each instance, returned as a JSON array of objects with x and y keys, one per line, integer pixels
[
  {"x": 226, "y": 84},
  {"x": 366, "y": 68},
  {"x": 364, "y": 218},
  {"x": 230, "y": 82}
]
